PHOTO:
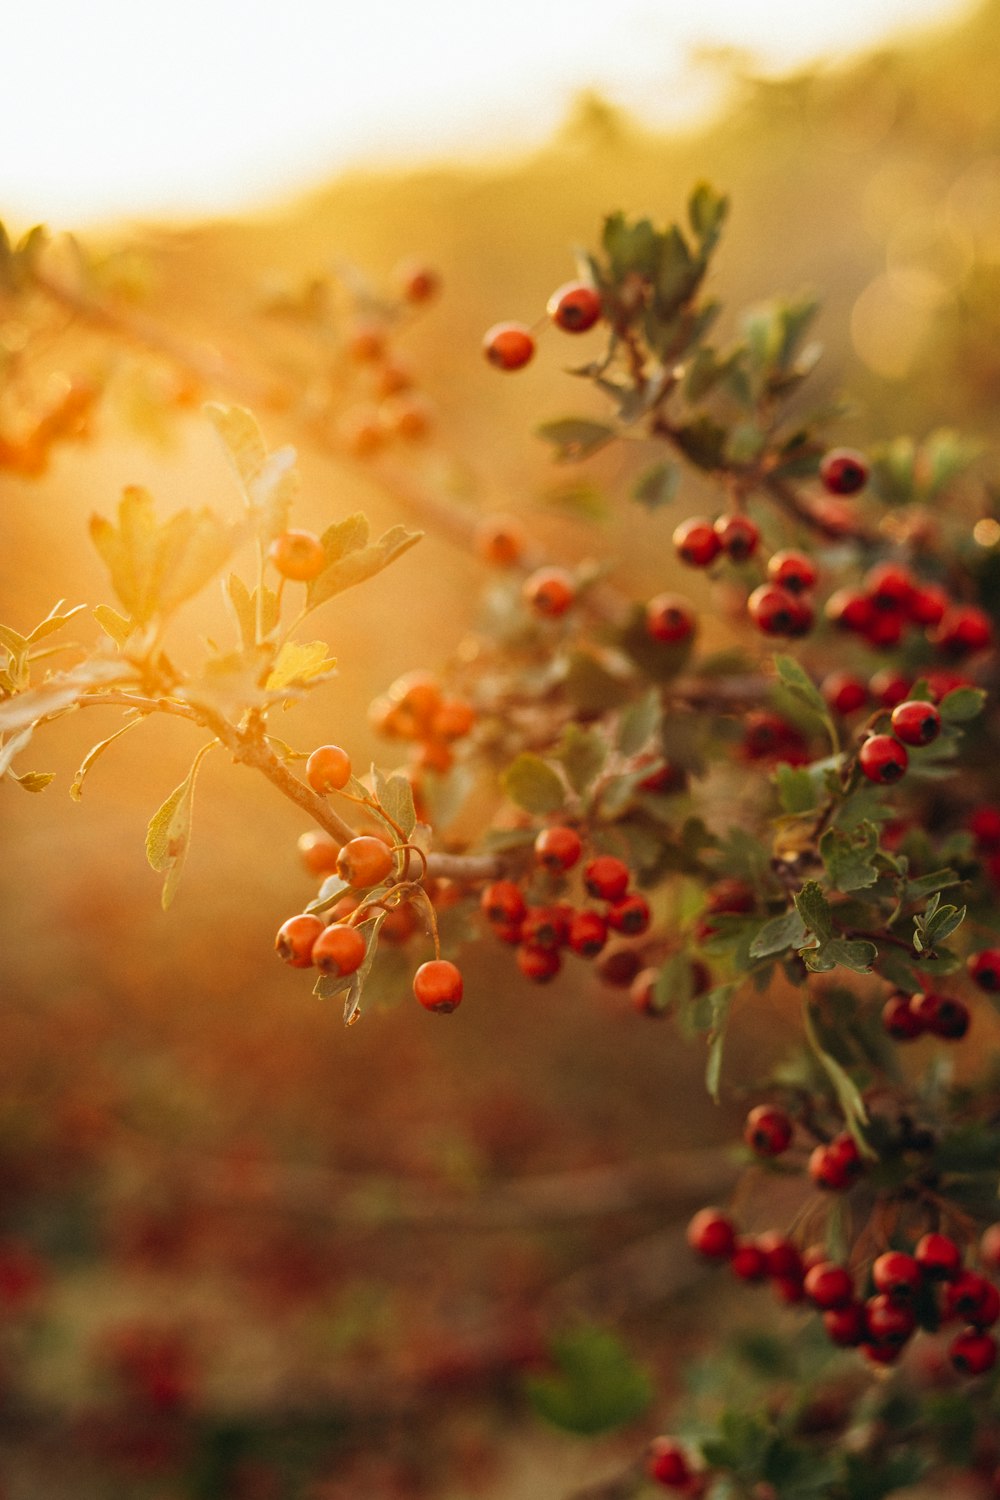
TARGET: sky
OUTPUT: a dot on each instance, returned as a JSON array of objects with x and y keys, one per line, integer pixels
[{"x": 119, "y": 108}]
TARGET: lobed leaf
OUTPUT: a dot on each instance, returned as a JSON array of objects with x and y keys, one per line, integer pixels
[{"x": 357, "y": 564}]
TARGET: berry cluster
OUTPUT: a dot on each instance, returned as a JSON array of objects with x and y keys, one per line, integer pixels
[
  {"x": 906, "y": 1017},
  {"x": 416, "y": 709},
  {"x": 574, "y": 308},
  {"x": 891, "y": 601},
  {"x": 903, "y": 1290}
]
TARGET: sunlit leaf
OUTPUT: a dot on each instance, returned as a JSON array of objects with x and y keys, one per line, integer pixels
[
  {"x": 300, "y": 661},
  {"x": 169, "y": 833}
]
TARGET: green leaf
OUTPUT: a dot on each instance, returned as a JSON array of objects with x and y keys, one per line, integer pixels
[
  {"x": 169, "y": 833},
  {"x": 575, "y": 438},
  {"x": 591, "y": 686},
  {"x": 800, "y": 685},
  {"x": 582, "y": 753},
  {"x": 849, "y": 857},
  {"x": 961, "y": 705},
  {"x": 395, "y": 797},
  {"x": 707, "y": 211},
  {"x": 358, "y": 565},
  {"x": 703, "y": 441},
  {"x": 630, "y": 247},
  {"x": 814, "y": 909},
  {"x": 657, "y": 486},
  {"x": 846, "y": 1090},
  {"x": 796, "y": 789},
  {"x": 786, "y": 931},
  {"x": 856, "y": 954},
  {"x": 640, "y": 724},
  {"x": 722, "y": 1003},
  {"x": 533, "y": 784},
  {"x": 596, "y": 1385}
]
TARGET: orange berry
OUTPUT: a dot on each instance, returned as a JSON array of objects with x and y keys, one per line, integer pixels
[
  {"x": 296, "y": 939},
  {"x": 416, "y": 282},
  {"x": 361, "y": 432},
  {"x": 500, "y": 541},
  {"x": 558, "y": 849},
  {"x": 435, "y": 755},
  {"x": 408, "y": 417},
  {"x": 508, "y": 346},
  {"x": 417, "y": 694},
  {"x": 398, "y": 925},
  {"x": 391, "y": 378},
  {"x": 365, "y": 341},
  {"x": 549, "y": 592},
  {"x": 318, "y": 852},
  {"x": 452, "y": 719},
  {"x": 364, "y": 861},
  {"x": 338, "y": 950},
  {"x": 328, "y": 769},
  {"x": 298, "y": 555},
  {"x": 437, "y": 984},
  {"x": 574, "y": 307}
]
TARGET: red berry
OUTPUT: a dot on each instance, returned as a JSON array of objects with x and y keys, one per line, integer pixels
[
  {"x": 508, "y": 346},
  {"x": 768, "y": 736},
  {"x": 558, "y": 849},
  {"x": 588, "y": 933},
  {"x": 630, "y": 916},
  {"x": 696, "y": 542},
  {"x": 849, "y": 609},
  {"x": 606, "y": 877},
  {"x": 768, "y": 1130},
  {"x": 500, "y": 541},
  {"x": 574, "y": 307},
  {"x": 642, "y": 993},
  {"x": 784, "y": 1263},
  {"x": 836, "y": 1166},
  {"x": 829, "y": 1285},
  {"x": 364, "y": 861},
  {"x": 897, "y": 1274},
  {"x": 843, "y": 471},
  {"x": 669, "y": 618},
  {"x": 889, "y": 587},
  {"x": 916, "y": 723},
  {"x": 666, "y": 1463},
  {"x": 963, "y": 631},
  {"x": 712, "y": 1234},
  {"x": 738, "y": 536},
  {"x": 748, "y": 1261},
  {"x": 973, "y": 1353},
  {"x": 777, "y": 611},
  {"x": 889, "y": 687},
  {"x": 338, "y": 950},
  {"x": 984, "y": 825},
  {"x": 437, "y": 984},
  {"x": 845, "y": 1326},
  {"x": 899, "y": 1020},
  {"x": 550, "y": 592},
  {"x": 328, "y": 769},
  {"x": 889, "y": 1321},
  {"x": 844, "y": 692},
  {"x": 296, "y": 939},
  {"x": 545, "y": 927},
  {"x": 943, "y": 1015},
  {"x": 794, "y": 571},
  {"x": 618, "y": 967},
  {"x": 298, "y": 555},
  {"x": 883, "y": 759},
  {"x": 989, "y": 1247},
  {"x": 416, "y": 281},
  {"x": 882, "y": 1354},
  {"x": 928, "y": 604},
  {"x": 538, "y": 964},
  {"x": 972, "y": 1298},
  {"x": 885, "y": 630},
  {"x": 938, "y": 1257},
  {"x": 503, "y": 903}
]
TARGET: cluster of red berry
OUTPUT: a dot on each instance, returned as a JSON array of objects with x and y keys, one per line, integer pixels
[
  {"x": 847, "y": 692},
  {"x": 891, "y": 601},
  {"x": 903, "y": 1291},
  {"x": 574, "y": 308},
  {"x": 417, "y": 710}
]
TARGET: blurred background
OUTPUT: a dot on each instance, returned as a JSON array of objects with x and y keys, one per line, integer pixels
[{"x": 244, "y": 1253}]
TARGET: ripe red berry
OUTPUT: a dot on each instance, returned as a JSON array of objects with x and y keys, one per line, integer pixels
[
  {"x": 845, "y": 1326},
  {"x": 829, "y": 1285},
  {"x": 963, "y": 631},
  {"x": 696, "y": 542},
  {"x": 339, "y": 949},
  {"x": 574, "y": 307},
  {"x": 364, "y": 861},
  {"x": 667, "y": 1464},
  {"x": 437, "y": 984},
  {"x": 318, "y": 852},
  {"x": 989, "y": 1247},
  {"x": 889, "y": 1321},
  {"x": 297, "y": 555},
  {"x": 630, "y": 916},
  {"x": 538, "y": 964},
  {"x": 712, "y": 1234},
  {"x": 784, "y": 1263},
  {"x": 328, "y": 769},
  {"x": 669, "y": 618},
  {"x": 984, "y": 825},
  {"x": 938, "y": 1257},
  {"x": 558, "y": 849},
  {"x": 943, "y": 1015},
  {"x": 296, "y": 938},
  {"x": 588, "y": 933},
  {"x": 844, "y": 692},
  {"x": 545, "y": 927},
  {"x": 748, "y": 1261},
  {"x": 794, "y": 571},
  {"x": 837, "y": 1165},
  {"x": 849, "y": 609},
  {"x": 928, "y": 604},
  {"x": 889, "y": 587},
  {"x": 885, "y": 1353},
  {"x": 973, "y": 1353},
  {"x": 984, "y": 969},
  {"x": 898, "y": 1019},
  {"x": 843, "y": 471},
  {"x": 777, "y": 611},
  {"x": 508, "y": 346},
  {"x": 550, "y": 592},
  {"x": 738, "y": 536},
  {"x": 916, "y": 723},
  {"x": 618, "y": 967},
  {"x": 768, "y": 1130},
  {"x": 502, "y": 902},
  {"x": 889, "y": 687},
  {"x": 606, "y": 877},
  {"x": 972, "y": 1298},
  {"x": 883, "y": 759},
  {"x": 897, "y": 1274}
]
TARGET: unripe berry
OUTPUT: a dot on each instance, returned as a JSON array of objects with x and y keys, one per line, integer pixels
[
  {"x": 916, "y": 723},
  {"x": 297, "y": 555},
  {"x": 606, "y": 877},
  {"x": 364, "y": 861},
  {"x": 669, "y": 618},
  {"x": 538, "y": 964},
  {"x": 883, "y": 759},
  {"x": 339, "y": 950},
  {"x": 666, "y": 1463},
  {"x": 777, "y": 611},
  {"x": 897, "y": 1274},
  {"x": 630, "y": 916},
  {"x": 558, "y": 849},
  {"x": 829, "y": 1285},
  {"x": 768, "y": 1130},
  {"x": 938, "y": 1257},
  {"x": 843, "y": 471},
  {"x": 794, "y": 571},
  {"x": 508, "y": 346},
  {"x": 296, "y": 939},
  {"x": 738, "y": 536},
  {"x": 328, "y": 769},
  {"x": 712, "y": 1234},
  {"x": 437, "y": 984},
  {"x": 318, "y": 852},
  {"x": 503, "y": 903},
  {"x": 550, "y": 592},
  {"x": 973, "y": 1353},
  {"x": 696, "y": 542},
  {"x": 588, "y": 933},
  {"x": 574, "y": 307}
]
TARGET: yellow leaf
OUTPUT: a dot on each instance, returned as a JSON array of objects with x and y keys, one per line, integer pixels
[{"x": 299, "y": 662}]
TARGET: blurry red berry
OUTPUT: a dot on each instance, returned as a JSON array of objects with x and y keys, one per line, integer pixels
[
  {"x": 669, "y": 618},
  {"x": 748, "y": 1261},
  {"x": 794, "y": 571},
  {"x": 502, "y": 902},
  {"x": 984, "y": 825},
  {"x": 784, "y": 1261},
  {"x": 696, "y": 542},
  {"x": 889, "y": 1321},
  {"x": 845, "y": 1326},
  {"x": 898, "y": 1018},
  {"x": 889, "y": 687},
  {"x": 606, "y": 877},
  {"x": 889, "y": 586},
  {"x": 508, "y": 346},
  {"x": 984, "y": 969},
  {"x": 989, "y": 1247},
  {"x": 538, "y": 964},
  {"x": 558, "y": 849},
  {"x": 849, "y": 609},
  {"x": 768, "y": 1130},
  {"x": 545, "y": 927},
  {"x": 588, "y": 933},
  {"x": 897, "y": 1274},
  {"x": 837, "y": 1165},
  {"x": 550, "y": 592},
  {"x": 712, "y": 1234},
  {"x": 938, "y": 1257},
  {"x": 928, "y": 604},
  {"x": 942, "y": 1015},
  {"x": 630, "y": 916},
  {"x": 829, "y": 1285},
  {"x": 963, "y": 631},
  {"x": 973, "y": 1353},
  {"x": 777, "y": 611},
  {"x": 738, "y": 536},
  {"x": 574, "y": 307},
  {"x": 618, "y": 967},
  {"x": 667, "y": 1464},
  {"x": 843, "y": 471},
  {"x": 844, "y": 692}
]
